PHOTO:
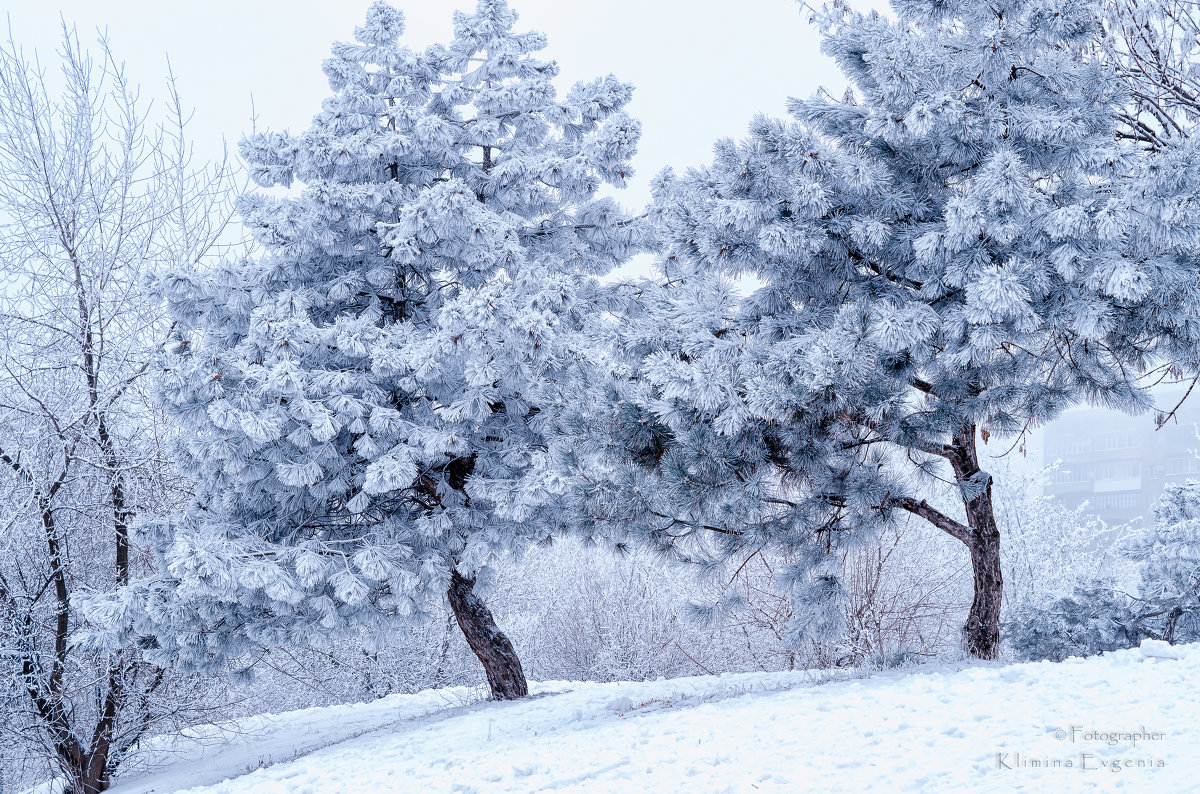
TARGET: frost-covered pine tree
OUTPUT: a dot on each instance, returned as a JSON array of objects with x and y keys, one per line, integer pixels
[
  {"x": 364, "y": 400},
  {"x": 935, "y": 266}
]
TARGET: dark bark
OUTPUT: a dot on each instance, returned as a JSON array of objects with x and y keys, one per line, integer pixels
[
  {"x": 981, "y": 536},
  {"x": 494, "y": 650},
  {"x": 89, "y": 767},
  {"x": 117, "y": 499},
  {"x": 1173, "y": 617},
  {"x": 505, "y": 677},
  {"x": 981, "y": 634},
  {"x": 94, "y": 778}
]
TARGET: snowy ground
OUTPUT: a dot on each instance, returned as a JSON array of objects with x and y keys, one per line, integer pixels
[{"x": 986, "y": 728}]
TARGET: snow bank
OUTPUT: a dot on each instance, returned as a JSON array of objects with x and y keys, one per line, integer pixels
[{"x": 1125, "y": 721}]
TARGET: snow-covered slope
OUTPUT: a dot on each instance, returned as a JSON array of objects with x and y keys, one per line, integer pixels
[{"x": 1126, "y": 721}]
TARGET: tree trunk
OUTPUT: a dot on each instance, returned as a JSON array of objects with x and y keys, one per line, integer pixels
[
  {"x": 87, "y": 772},
  {"x": 981, "y": 634},
  {"x": 93, "y": 779},
  {"x": 504, "y": 674}
]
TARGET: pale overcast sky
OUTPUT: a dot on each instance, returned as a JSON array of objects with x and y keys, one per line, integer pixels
[{"x": 702, "y": 69}]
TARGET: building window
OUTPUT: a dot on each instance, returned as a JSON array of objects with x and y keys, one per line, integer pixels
[
  {"x": 1071, "y": 446},
  {"x": 1117, "y": 470},
  {"x": 1177, "y": 466},
  {"x": 1073, "y": 474},
  {"x": 1117, "y": 501}
]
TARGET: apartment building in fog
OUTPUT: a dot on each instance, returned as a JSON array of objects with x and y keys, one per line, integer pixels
[{"x": 1119, "y": 464}]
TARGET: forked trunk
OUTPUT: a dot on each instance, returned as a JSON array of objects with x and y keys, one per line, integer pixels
[{"x": 504, "y": 674}]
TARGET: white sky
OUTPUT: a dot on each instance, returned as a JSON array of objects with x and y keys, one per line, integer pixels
[{"x": 701, "y": 69}]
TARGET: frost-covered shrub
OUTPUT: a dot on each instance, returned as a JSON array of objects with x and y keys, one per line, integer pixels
[
  {"x": 1049, "y": 547},
  {"x": 587, "y": 613},
  {"x": 1094, "y": 618},
  {"x": 1169, "y": 553},
  {"x": 1101, "y": 614},
  {"x": 357, "y": 667},
  {"x": 903, "y": 594}
]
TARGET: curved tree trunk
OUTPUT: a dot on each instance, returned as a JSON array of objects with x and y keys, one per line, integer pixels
[
  {"x": 504, "y": 674},
  {"x": 981, "y": 634}
]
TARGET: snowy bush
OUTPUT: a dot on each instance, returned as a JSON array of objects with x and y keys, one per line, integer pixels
[
  {"x": 588, "y": 614},
  {"x": 903, "y": 594},
  {"x": 1050, "y": 547},
  {"x": 359, "y": 667},
  {"x": 1094, "y": 618},
  {"x": 1101, "y": 613}
]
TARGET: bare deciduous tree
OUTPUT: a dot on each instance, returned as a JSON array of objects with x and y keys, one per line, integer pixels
[
  {"x": 1154, "y": 45},
  {"x": 95, "y": 195}
]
